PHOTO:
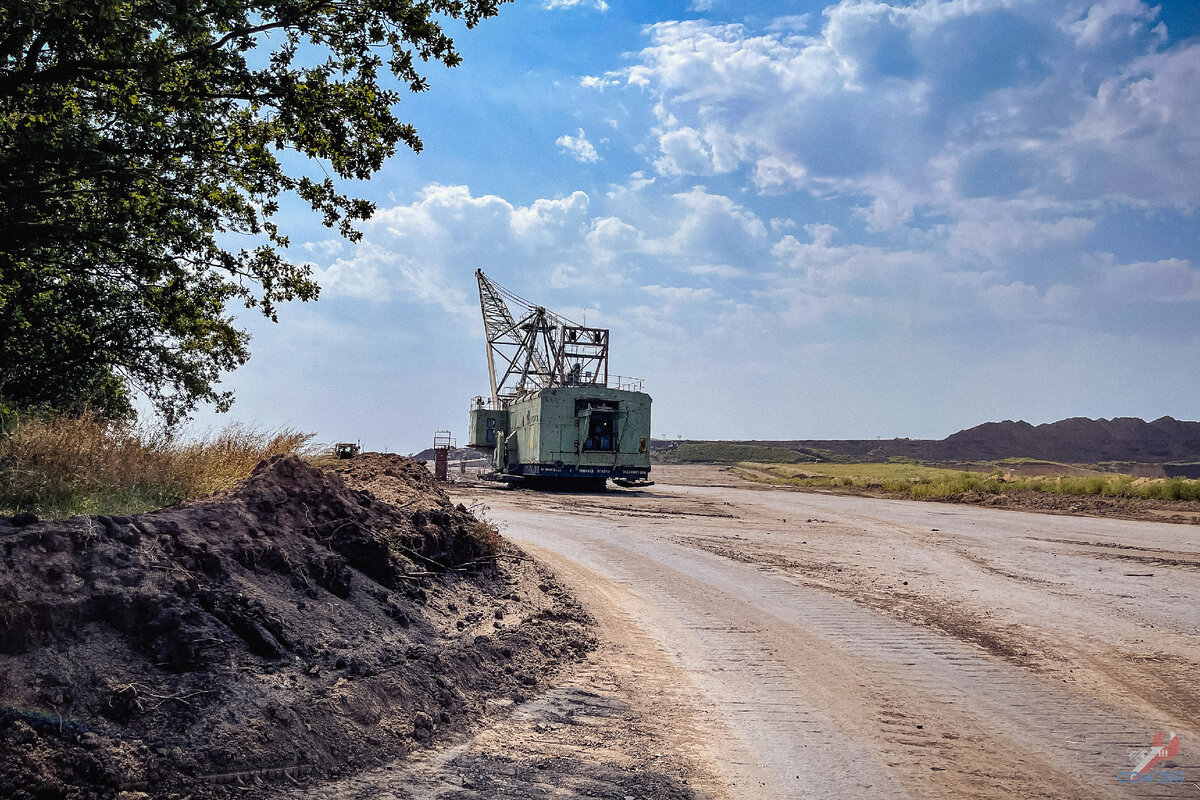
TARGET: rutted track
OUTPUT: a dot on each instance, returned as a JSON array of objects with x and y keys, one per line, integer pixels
[{"x": 1014, "y": 663}]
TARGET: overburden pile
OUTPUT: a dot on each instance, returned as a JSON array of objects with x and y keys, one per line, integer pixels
[{"x": 292, "y": 626}]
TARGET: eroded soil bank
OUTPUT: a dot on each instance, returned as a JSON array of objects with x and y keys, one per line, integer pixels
[{"x": 293, "y": 628}]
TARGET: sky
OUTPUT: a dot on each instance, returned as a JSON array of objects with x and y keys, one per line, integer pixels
[{"x": 798, "y": 220}]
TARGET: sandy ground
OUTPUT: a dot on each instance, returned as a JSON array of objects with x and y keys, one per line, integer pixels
[
  {"x": 778, "y": 644},
  {"x": 759, "y": 642}
]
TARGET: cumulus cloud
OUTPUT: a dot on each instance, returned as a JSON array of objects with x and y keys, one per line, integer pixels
[
  {"x": 683, "y": 295},
  {"x": 359, "y": 277},
  {"x": 599, "y": 5},
  {"x": 923, "y": 107},
  {"x": 578, "y": 147},
  {"x": 327, "y": 247},
  {"x": 696, "y": 276},
  {"x": 728, "y": 262},
  {"x": 598, "y": 82},
  {"x": 823, "y": 277},
  {"x": 893, "y": 195},
  {"x": 674, "y": 265},
  {"x": 1170, "y": 280},
  {"x": 1018, "y": 301},
  {"x": 1110, "y": 20},
  {"x": 421, "y": 251},
  {"x": 684, "y": 151},
  {"x": 995, "y": 230},
  {"x": 1139, "y": 136}
]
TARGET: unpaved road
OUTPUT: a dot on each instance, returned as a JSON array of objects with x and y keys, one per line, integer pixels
[{"x": 794, "y": 644}]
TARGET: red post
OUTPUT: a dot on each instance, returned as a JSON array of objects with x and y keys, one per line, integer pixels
[{"x": 442, "y": 442}]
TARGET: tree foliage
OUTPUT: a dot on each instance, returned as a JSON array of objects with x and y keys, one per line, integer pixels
[{"x": 144, "y": 152}]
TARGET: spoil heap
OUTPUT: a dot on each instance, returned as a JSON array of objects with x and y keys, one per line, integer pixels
[
  {"x": 292, "y": 626},
  {"x": 401, "y": 482}
]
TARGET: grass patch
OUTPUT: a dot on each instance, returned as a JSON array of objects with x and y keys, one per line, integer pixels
[
  {"x": 734, "y": 452},
  {"x": 916, "y": 481},
  {"x": 729, "y": 453},
  {"x": 86, "y": 465}
]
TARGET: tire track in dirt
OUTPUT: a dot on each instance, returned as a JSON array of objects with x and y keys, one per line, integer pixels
[{"x": 841, "y": 700}]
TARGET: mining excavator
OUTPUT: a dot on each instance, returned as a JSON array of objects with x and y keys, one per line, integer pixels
[{"x": 555, "y": 418}]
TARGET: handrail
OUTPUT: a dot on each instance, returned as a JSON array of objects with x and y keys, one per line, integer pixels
[{"x": 620, "y": 382}]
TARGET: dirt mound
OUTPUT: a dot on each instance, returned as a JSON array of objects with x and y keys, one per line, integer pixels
[
  {"x": 398, "y": 480},
  {"x": 1079, "y": 440},
  {"x": 291, "y": 626}
]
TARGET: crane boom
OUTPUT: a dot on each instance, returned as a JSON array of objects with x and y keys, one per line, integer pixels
[
  {"x": 554, "y": 419},
  {"x": 498, "y": 325},
  {"x": 539, "y": 350}
]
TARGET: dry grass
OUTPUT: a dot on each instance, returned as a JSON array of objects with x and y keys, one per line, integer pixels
[
  {"x": 85, "y": 465},
  {"x": 932, "y": 482}
]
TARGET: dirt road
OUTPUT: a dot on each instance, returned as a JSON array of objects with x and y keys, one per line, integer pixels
[{"x": 796, "y": 644}]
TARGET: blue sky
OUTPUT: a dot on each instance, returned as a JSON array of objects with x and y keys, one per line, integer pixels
[{"x": 799, "y": 220}]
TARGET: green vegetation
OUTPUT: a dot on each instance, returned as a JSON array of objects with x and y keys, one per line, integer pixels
[
  {"x": 726, "y": 453},
  {"x": 146, "y": 150},
  {"x": 913, "y": 480},
  {"x": 733, "y": 452},
  {"x": 88, "y": 465}
]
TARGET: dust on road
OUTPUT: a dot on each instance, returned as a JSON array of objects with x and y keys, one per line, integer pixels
[{"x": 822, "y": 646}]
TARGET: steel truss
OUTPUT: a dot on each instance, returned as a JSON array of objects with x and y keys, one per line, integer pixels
[{"x": 539, "y": 350}]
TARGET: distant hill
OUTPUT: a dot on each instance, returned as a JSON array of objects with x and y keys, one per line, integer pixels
[
  {"x": 455, "y": 454},
  {"x": 1073, "y": 441},
  {"x": 1079, "y": 440}
]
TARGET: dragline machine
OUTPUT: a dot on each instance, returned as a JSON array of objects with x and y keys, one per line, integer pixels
[{"x": 556, "y": 417}]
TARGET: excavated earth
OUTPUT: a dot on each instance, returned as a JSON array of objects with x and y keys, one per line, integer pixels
[{"x": 290, "y": 630}]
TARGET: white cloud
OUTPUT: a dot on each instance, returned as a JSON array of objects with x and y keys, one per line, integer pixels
[
  {"x": 326, "y": 247},
  {"x": 679, "y": 295},
  {"x": 1139, "y": 137},
  {"x": 792, "y": 22},
  {"x": 717, "y": 270},
  {"x": 1171, "y": 280},
  {"x": 597, "y": 82},
  {"x": 896, "y": 196},
  {"x": 1021, "y": 302},
  {"x": 712, "y": 228},
  {"x": 613, "y": 235},
  {"x": 926, "y": 106},
  {"x": 419, "y": 252},
  {"x": 357, "y": 277},
  {"x": 599, "y": 5},
  {"x": 994, "y": 230},
  {"x": 578, "y": 147},
  {"x": 1109, "y": 20},
  {"x": 778, "y": 174},
  {"x": 684, "y": 151},
  {"x": 677, "y": 265}
]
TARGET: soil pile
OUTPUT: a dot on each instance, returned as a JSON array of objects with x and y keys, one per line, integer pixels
[
  {"x": 1079, "y": 440},
  {"x": 403, "y": 482},
  {"x": 291, "y": 626}
]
